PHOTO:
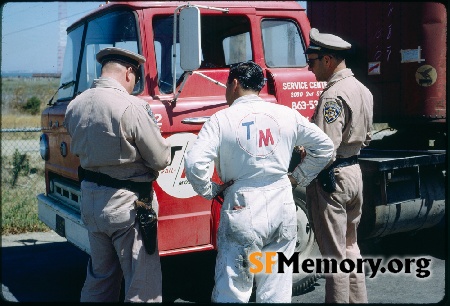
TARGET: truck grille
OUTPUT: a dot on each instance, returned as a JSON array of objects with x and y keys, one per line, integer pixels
[{"x": 65, "y": 192}]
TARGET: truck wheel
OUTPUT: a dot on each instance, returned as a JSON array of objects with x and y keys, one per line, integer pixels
[{"x": 306, "y": 244}]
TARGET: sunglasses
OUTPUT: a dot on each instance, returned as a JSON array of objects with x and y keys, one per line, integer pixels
[
  {"x": 309, "y": 61},
  {"x": 136, "y": 73}
]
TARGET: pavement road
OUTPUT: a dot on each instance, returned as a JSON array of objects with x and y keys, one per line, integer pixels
[{"x": 43, "y": 267}]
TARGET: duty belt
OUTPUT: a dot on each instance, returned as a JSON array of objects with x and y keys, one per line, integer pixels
[
  {"x": 344, "y": 162},
  {"x": 145, "y": 189}
]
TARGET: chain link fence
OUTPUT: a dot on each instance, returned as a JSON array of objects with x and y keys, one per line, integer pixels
[
  {"x": 22, "y": 177},
  {"x": 22, "y": 165}
]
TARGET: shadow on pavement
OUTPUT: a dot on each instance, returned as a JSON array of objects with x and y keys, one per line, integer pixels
[
  {"x": 55, "y": 272},
  {"x": 189, "y": 277},
  {"x": 51, "y": 272}
]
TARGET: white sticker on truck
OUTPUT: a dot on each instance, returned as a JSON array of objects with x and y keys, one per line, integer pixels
[{"x": 173, "y": 179}]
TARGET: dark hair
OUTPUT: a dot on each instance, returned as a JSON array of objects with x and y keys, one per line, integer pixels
[
  {"x": 249, "y": 74},
  {"x": 339, "y": 55},
  {"x": 123, "y": 60}
]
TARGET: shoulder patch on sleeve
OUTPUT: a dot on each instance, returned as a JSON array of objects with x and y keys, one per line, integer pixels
[
  {"x": 150, "y": 113},
  {"x": 331, "y": 111}
]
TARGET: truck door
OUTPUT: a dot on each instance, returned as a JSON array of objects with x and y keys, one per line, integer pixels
[
  {"x": 287, "y": 72},
  {"x": 185, "y": 217}
]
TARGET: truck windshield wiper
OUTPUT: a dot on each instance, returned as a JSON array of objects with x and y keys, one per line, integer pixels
[{"x": 63, "y": 86}]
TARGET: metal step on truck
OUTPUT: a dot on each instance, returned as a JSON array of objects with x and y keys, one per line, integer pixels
[{"x": 189, "y": 48}]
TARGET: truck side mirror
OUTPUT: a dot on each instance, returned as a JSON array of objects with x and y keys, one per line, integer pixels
[{"x": 190, "y": 38}]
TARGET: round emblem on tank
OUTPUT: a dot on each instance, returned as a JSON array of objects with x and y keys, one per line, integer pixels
[{"x": 426, "y": 75}]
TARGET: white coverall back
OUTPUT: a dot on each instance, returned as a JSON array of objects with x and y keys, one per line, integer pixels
[{"x": 251, "y": 143}]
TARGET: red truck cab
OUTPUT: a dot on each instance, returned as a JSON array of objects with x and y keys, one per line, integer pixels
[
  {"x": 272, "y": 34},
  {"x": 189, "y": 48}
]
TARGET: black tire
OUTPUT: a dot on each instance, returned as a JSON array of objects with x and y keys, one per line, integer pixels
[{"x": 306, "y": 244}]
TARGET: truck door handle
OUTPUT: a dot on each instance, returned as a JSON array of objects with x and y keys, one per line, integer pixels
[{"x": 195, "y": 120}]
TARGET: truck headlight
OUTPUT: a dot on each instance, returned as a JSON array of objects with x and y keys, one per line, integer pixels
[{"x": 44, "y": 147}]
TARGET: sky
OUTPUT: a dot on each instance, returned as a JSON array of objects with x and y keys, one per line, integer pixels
[{"x": 30, "y": 34}]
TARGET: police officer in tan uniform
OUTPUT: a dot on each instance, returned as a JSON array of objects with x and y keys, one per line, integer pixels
[
  {"x": 121, "y": 150},
  {"x": 344, "y": 112}
]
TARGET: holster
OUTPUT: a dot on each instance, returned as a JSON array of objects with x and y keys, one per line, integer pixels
[
  {"x": 327, "y": 178},
  {"x": 145, "y": 214},
  {"x": 148, "y": 221}
]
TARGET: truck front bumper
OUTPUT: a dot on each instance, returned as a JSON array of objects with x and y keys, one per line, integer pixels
[{"x": 64, "y": 221}]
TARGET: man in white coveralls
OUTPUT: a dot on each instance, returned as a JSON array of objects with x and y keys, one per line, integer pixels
[{"x": 251, "y": 144}]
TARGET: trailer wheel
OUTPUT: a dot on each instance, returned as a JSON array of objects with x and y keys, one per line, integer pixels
[{"x": 306, "y": 244}]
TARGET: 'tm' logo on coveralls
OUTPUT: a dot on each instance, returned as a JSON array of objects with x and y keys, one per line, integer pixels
[{"x": 258, "y": 134}]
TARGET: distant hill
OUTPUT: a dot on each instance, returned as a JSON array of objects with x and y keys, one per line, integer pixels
[
  {"x": 17, "y": 74},
  {"x": 29, "y": 75}
]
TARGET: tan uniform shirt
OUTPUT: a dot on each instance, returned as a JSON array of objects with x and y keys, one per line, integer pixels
[
  {"x": 114, "y": 133},
  {"x": 345, "y": 113}
]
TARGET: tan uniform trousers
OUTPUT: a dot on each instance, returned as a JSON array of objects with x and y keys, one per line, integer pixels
[
  {"x": 116, "y": 248},
  {"x": 335, "y": 219}
]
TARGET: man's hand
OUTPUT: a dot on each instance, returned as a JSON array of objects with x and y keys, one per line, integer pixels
[
  {"x": 298, "y": 154},
  {"x": 297, "y": 158},
  {"x": 293, "y": 180},
  {"x": 219, "y": 195},
  {"x": 301, "y": 150},
  {"x": 224, "y": 186}
]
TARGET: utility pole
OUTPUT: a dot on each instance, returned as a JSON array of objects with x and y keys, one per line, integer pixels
[{"x": 62, "y": 17}]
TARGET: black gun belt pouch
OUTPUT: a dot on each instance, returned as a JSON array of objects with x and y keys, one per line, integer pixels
[{"x": 326, "y": 177}]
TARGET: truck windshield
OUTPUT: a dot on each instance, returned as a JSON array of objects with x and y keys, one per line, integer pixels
[
  {"x": 115, "y": 29},
  {"x": 68, "y": 74},
  {"x": 225, "y": 40}
]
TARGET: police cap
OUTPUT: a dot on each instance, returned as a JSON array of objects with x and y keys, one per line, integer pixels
[
  {"x": 325, "y": 43},
  {"x": 121, "y": 55}
]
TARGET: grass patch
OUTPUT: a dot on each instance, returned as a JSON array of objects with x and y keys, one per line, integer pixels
[
  {"x": 17, "y": 91},
  {"x": 10, "y": 121},
  {"x": 19, "y": 213}
]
